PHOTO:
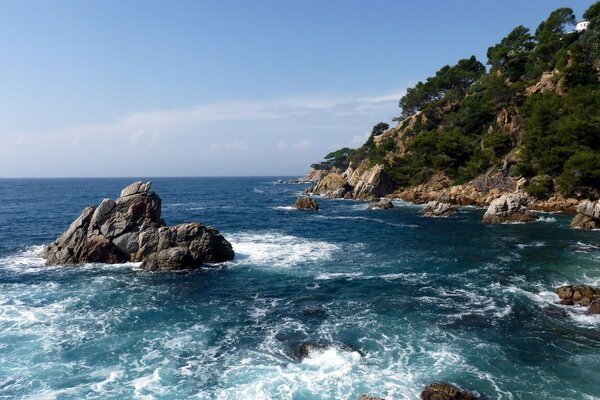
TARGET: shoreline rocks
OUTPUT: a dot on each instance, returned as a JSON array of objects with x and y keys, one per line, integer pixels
[
  {"x": 588, "y": 215},
  {"x": 438, "y": 209},
  {"x": 131, "y": 229},
  {"x": 306, "y": 203},
  {"x": 509, "y": 208}
]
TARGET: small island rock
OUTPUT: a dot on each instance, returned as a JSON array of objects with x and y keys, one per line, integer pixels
[
  {"x": 438, "y": 209},
  {"x": 509, "y": 208},
  {"x": 382, "y": 204},
  {"x": 131, "y": 229},
  {"x": 306, "y": 203},
  {"x": 582, "y": 295}
]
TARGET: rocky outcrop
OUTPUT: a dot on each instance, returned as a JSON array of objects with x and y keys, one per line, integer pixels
[
  {"x": 131, "y": 229},
  {"x": 333, "y": 185},
  {"x": 373, "y": 184},
  {"x": 382, "y": 204},
  {"x": 438, "y": 209},
  {"x": 444, "y": 391},
  {"x": 306, "y": 203},
  {"x": 361, "y": 183},
  {"x": 582, "y": 295},
  {"x": 588, "y": 215},
  {"x": 509, "y": 208}
]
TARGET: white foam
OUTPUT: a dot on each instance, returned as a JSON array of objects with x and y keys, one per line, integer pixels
[
  {"x": 279, "y": 250},
  {"x": 533, "y": 244},
  {"x": 361, "y": 218},
  {"x": 325, "y": 276},
  {"x": 546, "y": 219},
  {"x": 287, "y": 208}
]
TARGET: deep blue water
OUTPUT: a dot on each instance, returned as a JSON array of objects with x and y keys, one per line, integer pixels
[{"x": 405, "y": 300}]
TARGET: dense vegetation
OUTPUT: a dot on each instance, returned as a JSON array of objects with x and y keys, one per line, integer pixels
[{"x": 535, "y": 113}]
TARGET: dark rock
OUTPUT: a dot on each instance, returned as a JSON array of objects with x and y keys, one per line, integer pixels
[
  {"x": 131, "y": 229},
  {"x": 594, "y": 308},
  {"x": 98, "y": 249},
  {"x": 306, "y": 203},
  {"x": 444, "y": 391},
  {"x": 382, "y": 204}
]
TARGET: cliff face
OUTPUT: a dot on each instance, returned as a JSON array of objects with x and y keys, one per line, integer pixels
[{"x": 468, "y": 135}]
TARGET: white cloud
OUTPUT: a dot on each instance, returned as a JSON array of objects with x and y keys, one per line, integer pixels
[{"x": 285, "y": 135}]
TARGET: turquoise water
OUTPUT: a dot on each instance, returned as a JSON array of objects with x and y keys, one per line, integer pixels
[{"x": 402, "y": 301}]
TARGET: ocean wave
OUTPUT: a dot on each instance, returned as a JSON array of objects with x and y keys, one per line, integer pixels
[
  {"x": 279, "y": 250},
  {"x": 361, "y": 218}
]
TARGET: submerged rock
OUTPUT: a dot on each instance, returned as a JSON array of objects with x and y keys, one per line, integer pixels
[
  {"x": 367, "y": 397},
  {"x": 438, "y": 209},
  {"x": 382, "y": 204},
  {"x": 509, "y": 208},
  {"x": 444, "y": 391},
  {"x": 306, "y": 203},
  {"x": 582, "y": 295},
  {"x": 588, "y": 215},
  {"x": 131, "y": 229}
]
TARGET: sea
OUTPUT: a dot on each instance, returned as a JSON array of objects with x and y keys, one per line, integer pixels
[{"x": 394, "y": 301}]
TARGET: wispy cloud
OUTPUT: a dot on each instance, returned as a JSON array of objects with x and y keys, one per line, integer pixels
[{"x": 224, "y": 135}]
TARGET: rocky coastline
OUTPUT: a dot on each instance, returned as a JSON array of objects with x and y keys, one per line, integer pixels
[{"x": 131, "y": 229}]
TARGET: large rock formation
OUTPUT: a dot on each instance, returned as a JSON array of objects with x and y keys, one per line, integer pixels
[
  {"x": 131, "y": 229},
  {"x": 509, "y": 208},
  {"x": 361, "y": 183},
  {"x": 438, "y": 209},
  {"x": 588, "y": 215}
]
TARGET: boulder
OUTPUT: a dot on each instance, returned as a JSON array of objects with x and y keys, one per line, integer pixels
[
  {"x": 306, "y": 203},
  {"x": 581, "y": 295},
  {"x": 383, "y": 204},
  {"x": 588, "y": 215},
  {"x": 509, "y": 208},
  {"x": 332, "y": 185},
  {"x": 438, "y": 209},
  {"x": 131, "y": 229},
  {"x": 444, "y": 391},
  {"x": 373, "y": 184}
]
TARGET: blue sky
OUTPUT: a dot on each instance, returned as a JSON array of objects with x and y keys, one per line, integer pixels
[{"x": 211, "y": 88}]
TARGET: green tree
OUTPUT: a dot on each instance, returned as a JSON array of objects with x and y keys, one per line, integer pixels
[{"x": 511, "y": 55}]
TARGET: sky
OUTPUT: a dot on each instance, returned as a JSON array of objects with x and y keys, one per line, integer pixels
[{"x": 221, "y": 88}]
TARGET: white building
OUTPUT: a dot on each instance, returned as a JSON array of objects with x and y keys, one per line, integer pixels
[{"x": 581, "y": 26}]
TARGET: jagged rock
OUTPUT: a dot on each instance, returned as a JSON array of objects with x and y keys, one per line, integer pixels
[
  {"x": 582, "y": 295},
  {"x": 333, "y": 185},
  {"x": 444, "y": 391},
  {"x": 305, "y": 348},
  {"x": 373, "y": 184},
  {"x": 382, "y": 204},
  {"x": 438, "y": 209},
  {"x": 588, "y": 215},
  {"x": 306, "y": 203},
  {"x": 367, "y": 397},
  {"x": 131, "y": 229},
  {"x": 509, "y": 208}
]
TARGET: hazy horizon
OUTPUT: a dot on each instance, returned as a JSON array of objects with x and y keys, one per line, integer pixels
[{"x": 266, "y": 88}]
